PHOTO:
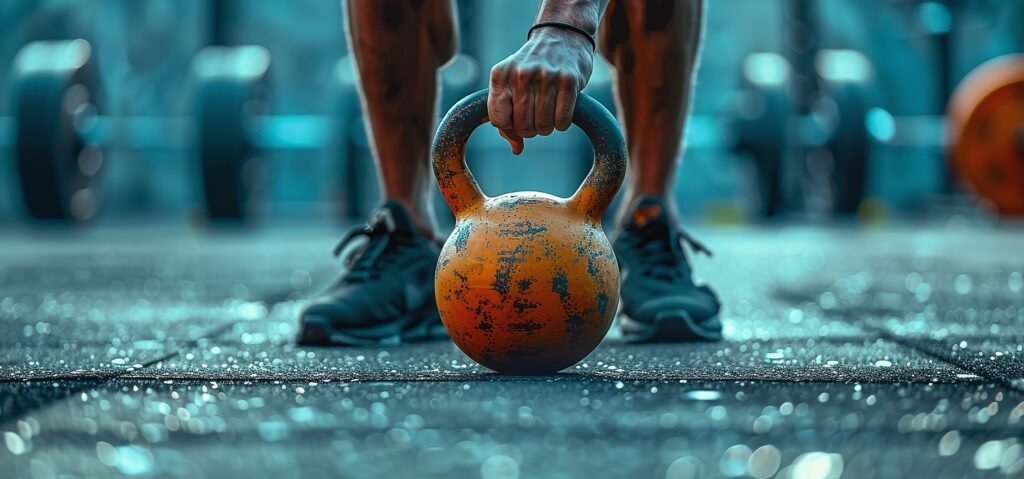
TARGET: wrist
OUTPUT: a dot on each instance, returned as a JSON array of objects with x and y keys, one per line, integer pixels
[
  {"x": 562, "y": 32},
  {"x": 582, "y": 14}
]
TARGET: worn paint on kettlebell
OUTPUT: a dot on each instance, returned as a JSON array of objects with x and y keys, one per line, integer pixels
[{"x": 527, "y": 283}]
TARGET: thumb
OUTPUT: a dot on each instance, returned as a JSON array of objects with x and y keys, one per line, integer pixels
[{"x": 513, "y": 139}]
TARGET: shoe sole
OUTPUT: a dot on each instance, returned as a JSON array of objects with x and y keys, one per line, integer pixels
[
  {"x": 317, "y": 330},
  {"x": 673, "y": 326}
]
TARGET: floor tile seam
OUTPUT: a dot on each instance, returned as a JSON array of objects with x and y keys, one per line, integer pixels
[{"x": 947, "y": 359}]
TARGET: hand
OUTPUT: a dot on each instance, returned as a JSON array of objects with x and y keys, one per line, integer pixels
[{"x": 533, "y": 92}]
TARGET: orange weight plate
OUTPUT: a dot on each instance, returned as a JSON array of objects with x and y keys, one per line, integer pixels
[{"x": 986, "y": 129}]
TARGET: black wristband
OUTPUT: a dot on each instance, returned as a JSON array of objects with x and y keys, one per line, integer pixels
[{"x": 588, "y": 36}]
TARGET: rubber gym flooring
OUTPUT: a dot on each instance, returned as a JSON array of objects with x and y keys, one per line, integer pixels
[{"x": 850, "y": 353}]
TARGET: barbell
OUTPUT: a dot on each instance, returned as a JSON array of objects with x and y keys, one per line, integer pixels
[{"x": 60, "y": 136}]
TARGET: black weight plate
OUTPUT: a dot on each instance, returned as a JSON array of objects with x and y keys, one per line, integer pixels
[
  {"x": 848, "y": 144},
  {"x": 231, "y": 92},
  {"x": 224, "y": 147},
  {"x": 760, "y": 132},
  {"x": 47, "y": 147}
]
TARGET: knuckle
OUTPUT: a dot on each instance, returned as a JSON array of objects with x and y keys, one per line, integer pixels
[
  {"x": 518, "y": 78},
  {"x": 500, "y": 121},
  {"x": 523, "y": 74},
  {"x": 498, "y": 116},
  {"x": 545, "y": 76},
  {"x": 563, "y": 119},
  {"x": 498, "y": 72},
  {"x": 545, "y": 123},
  {"x": 524, "y": 129},
  {"x": 566, "y": 81}
]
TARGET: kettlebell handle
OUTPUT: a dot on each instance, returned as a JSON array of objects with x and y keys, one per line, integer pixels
[{"x": 461, "y": 190}]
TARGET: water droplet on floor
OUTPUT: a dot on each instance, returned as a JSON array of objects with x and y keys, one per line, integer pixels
[
  {"x": 764, "y": 462},
  {"x": 734, "y": 461}
]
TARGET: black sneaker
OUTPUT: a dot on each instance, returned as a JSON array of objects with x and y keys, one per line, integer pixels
[
  {"x": 385, "y": 295},
  {"x": 660, "y": 302}
]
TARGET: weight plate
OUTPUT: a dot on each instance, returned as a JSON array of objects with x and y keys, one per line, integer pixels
[
  {"x": 53, "y": 107},
  {"x": 986, "y": 129},
  {"x": 760, "y": 133},
  {"x": 848, "y": 144},
  {"x": 231, "y": 94}
]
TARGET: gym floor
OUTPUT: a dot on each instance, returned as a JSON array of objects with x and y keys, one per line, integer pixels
[{"x": 849, "y": 352}]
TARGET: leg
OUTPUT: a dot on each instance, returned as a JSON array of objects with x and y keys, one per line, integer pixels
[
  {"x": 385, "y": 293},
  {"x": 654, "y": 46},
  {"x": 399, "y": 97}
]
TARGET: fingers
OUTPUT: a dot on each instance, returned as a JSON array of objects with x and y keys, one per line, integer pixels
[
  {"x": 529, "y": 100},
  {"x": 565, "y": 105},
  {"x": 522, "y": 105},
  {"x": 499, "y": 100},
  {"x": 514, "y": 140},
  {"x": 500, "y": 111},
  {"x": 544, "y": 110}
]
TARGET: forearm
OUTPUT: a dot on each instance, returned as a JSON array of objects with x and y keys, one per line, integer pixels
[{"x": 584, "y": 14}]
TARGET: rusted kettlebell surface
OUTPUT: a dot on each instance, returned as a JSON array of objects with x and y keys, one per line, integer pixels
[{"x": 527, "y": 283}]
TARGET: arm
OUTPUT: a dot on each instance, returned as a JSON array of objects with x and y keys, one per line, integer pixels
[{"x": 534, "y": 90}]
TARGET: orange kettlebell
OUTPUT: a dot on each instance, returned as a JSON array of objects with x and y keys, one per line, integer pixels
[{"x": 527, "y": 283}]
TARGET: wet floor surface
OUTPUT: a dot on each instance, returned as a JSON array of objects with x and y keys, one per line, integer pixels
[{"x": 849, "y": 353}]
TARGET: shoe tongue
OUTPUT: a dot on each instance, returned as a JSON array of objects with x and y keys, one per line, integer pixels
[
  {"x": 647, "y": 210},
  {"x": 392, "y": 217}
]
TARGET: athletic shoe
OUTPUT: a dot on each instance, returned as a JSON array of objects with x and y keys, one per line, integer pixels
[
  {"x": 660, "y": 302},
  {"x": 385, "y": 294}
]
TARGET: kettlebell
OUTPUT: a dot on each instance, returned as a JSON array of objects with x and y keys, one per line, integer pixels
[{"x": 527, "y": 283}]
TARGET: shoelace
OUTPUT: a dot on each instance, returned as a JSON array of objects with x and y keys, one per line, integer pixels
[
  {"x": 697, "y": 246},
  {"x": 368, "y": 261},
  {"x": 664, "y": 257}
]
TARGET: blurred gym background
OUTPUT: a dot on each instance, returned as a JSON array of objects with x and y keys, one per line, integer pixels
[{"x": 198, "y": 111}]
